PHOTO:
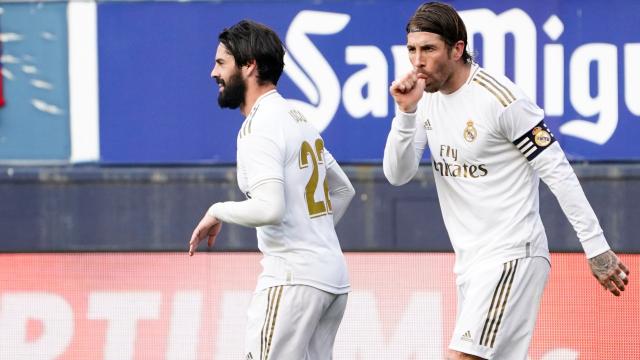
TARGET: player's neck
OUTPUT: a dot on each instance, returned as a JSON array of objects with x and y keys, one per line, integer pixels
[
  {"x": 459, "y": 76},
  {"x": 254, "y": 92}
]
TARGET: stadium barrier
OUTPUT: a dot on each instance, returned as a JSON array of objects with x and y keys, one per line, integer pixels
[{"x": 87, "y": 208}]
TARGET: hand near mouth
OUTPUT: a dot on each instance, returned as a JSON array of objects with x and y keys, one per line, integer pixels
[{"x": 407, "y": 91}]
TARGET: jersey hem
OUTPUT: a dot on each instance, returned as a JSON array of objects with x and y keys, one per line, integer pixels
[
  {"x": 326, "y": 288},
  {"x": 462, "y": 275},
  {"x": 483, "y": 354}
]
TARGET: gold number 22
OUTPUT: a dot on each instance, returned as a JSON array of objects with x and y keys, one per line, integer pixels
[{"x": 322, "y": 207}]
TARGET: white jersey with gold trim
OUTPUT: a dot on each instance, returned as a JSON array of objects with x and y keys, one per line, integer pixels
[
  {"x": 489, "y": 147},
  {"x": 276, "y": 143}
]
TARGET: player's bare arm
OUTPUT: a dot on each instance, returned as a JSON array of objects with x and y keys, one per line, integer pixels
[
  {"x": 610, "y": 272},
  {"x": 407, "y": 91},
  {"x": 209, "y": 227}
]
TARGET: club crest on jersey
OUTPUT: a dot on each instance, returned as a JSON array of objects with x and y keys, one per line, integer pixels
[
  {"x": 470, "y": 133},
  {"x": 541, "y": 137}
]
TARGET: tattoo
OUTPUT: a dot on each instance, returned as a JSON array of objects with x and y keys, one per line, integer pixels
[{"x": 603, "y": 264}]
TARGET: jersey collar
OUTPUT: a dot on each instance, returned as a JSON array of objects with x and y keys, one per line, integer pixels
[{"x": 258, "y": 100}]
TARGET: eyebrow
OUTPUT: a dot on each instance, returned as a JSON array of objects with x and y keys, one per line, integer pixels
[
  {"x": 426, "y": 42},
  {"x": 425, "y": 45}
]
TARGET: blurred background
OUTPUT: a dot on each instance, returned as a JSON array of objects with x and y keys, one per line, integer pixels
[{"x": 112, "y": 146}]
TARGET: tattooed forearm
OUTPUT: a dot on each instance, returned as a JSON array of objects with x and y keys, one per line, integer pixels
[{"x": 603, "y": 264}]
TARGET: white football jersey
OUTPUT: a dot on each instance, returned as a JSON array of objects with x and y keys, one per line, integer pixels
[
  {"x": 277, "y": 143},
  {"x": 489, "y": 145}
]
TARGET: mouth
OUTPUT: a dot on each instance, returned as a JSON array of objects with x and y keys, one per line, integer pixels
[{"x": 220, "y": 83}]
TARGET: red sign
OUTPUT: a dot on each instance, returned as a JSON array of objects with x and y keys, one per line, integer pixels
[{"x": 169, "y": 306}]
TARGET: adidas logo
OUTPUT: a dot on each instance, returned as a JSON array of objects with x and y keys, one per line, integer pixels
[
  {"x": 249, "y": 356},
  {"x": 427, "y": 125},
  {"x": 467, "y": 336}
]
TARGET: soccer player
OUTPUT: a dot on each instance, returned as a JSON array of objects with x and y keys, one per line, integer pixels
[
  {"x": 296, "y": 193},
  {"x": 489, "y": 146}
]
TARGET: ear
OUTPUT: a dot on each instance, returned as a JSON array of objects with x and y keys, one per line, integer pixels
[
  {"x": 457, "y": 50},
  {"x": 251, "y": 69}
]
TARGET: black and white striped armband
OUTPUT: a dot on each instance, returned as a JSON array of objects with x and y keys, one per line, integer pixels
[{"x": 534, "y": 141}]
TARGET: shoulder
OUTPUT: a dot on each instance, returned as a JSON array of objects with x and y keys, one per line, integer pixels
[
  {"x": 266, "y": 117},
  {"x": 496, "y": 88}
]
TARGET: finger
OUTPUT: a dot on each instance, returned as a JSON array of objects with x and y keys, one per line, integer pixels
[
  {"x": 623, "y": 276},
  {"x": 612, "y": 288},
  {"x": 402, "y": 86},
  {"x": 192, "y": 248},
  {"x": 195, "y": 235},
  {"x": 217, "y": 228},
  {"x": 212, "y": 236},
  {"x": 603, "y": 283},
  {"x": 624, "y": 267},
  {"x": 398, "y": 87},
  {"x": 211, "y": 241},
  {"x": 617, "y": 281},
  {"x": 213, "y": 233},
  {"x": 193, "y": 243},
  {"x": 411, "y": 82},
  {"x": 195, "y": 239}
]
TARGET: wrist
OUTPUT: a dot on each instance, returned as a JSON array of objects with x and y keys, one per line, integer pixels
[
  {"x": 595, "y": 246},
  {"x": 408, "y": 109},
  {"x": 213, "y": 210},
  {"x": 405, "y": 121}
]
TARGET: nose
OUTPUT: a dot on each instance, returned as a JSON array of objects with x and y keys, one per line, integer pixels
[
  {"x": 215, "y": 72},
  {"x": 418, "y": 61}
]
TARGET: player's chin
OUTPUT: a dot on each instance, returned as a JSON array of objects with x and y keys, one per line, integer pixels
[{"x": 431, "y": 88}]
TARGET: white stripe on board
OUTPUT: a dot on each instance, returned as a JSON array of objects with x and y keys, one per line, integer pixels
[{"x": 83, "y": 81}]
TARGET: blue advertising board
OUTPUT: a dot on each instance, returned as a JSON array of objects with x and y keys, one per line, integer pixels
[{"x": 578, "y": 60}]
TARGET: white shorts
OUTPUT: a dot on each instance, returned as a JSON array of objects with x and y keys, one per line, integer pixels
[
  {"x": 497, "y": 308},
  {"x": 295, "y": 322}
]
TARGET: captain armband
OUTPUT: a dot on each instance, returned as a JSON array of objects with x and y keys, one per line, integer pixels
[{"x": 534, "y": 141}]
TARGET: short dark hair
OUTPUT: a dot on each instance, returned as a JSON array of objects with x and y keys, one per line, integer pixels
[
  {"x": 441, "y": 19},
  {"x": 249, "y": 40}
]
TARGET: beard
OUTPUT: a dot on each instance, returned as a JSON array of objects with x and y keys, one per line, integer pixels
[
  {"x": 437, "y": 79},
  {"x": 234, "y": 91},
  {"x": 439, "y": 76},
  {"x": 432, "y": 87}
]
